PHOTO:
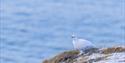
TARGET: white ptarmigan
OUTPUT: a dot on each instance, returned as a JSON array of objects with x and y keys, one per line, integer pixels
[{"x": 81, "y": 44}]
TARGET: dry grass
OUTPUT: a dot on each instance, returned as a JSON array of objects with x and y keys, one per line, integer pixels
[
  {"x": 67, "y": 56},
  {"x": 113, "y": 50}
]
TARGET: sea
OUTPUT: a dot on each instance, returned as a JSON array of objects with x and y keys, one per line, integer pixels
[{"x": 34, "y": 30}]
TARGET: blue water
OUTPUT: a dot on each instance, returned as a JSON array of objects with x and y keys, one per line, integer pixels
[{"x": 32, "y": 30}]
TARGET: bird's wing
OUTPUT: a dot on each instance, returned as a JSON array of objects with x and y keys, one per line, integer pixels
[{"x": 85, "y": 43}]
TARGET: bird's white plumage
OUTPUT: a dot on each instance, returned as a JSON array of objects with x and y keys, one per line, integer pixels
[{"x": 81, "y": 44}]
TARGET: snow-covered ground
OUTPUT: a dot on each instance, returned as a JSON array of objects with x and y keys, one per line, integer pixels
[
  {"x": 103, "y": 58},
  {"x": 113, "y": 58}
]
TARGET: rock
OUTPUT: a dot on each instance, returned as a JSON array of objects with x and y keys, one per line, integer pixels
[{"x": 109, "y": 55}]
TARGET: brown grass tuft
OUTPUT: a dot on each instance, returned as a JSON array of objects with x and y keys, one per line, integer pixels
[
  {"x": 113, "y": 50},
  {"x": 65, "y": 56}
]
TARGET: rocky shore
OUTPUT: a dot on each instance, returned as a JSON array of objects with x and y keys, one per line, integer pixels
[{"x": 106, "y": 55}]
